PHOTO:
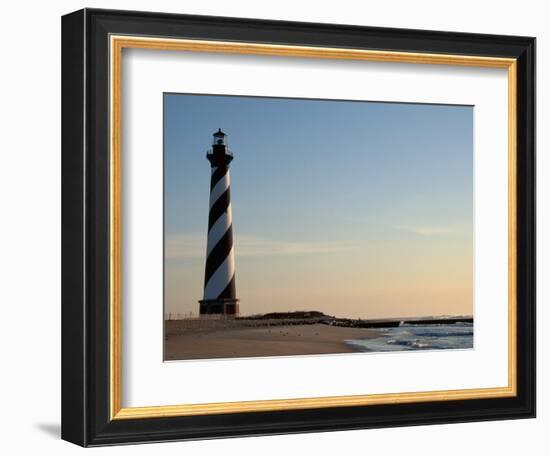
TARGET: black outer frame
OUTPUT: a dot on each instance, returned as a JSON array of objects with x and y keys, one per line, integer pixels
[{"x": 85, "y": 227}]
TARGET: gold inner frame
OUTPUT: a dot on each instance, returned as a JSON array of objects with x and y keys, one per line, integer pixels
[{"x": 117, "y": 44}]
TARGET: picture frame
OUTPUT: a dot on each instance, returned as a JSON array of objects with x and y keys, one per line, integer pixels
[{"x": 93, "y": 42}]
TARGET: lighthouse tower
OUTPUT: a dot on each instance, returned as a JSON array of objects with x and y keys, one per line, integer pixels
[{"x": 219, "y": 277}]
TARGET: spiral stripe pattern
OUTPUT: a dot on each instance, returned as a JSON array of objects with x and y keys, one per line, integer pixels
[{"x": 219, "y": 278}]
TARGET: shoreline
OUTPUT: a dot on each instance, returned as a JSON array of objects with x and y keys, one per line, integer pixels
[{"x": 185, "y": 340}]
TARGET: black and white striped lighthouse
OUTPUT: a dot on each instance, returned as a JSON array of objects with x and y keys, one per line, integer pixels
[{"x": 219, "y": 278}]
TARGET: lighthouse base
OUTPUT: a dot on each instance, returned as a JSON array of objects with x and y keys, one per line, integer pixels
[{"x": 228, "y": 307}]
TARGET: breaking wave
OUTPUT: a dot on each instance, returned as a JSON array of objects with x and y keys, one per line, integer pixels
[{"x": 421, "y": 337}]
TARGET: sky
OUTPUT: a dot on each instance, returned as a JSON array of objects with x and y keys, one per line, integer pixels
[{"x": 356, "y": 209}]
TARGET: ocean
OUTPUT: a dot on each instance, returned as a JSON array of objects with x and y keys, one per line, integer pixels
[{"x": 419, "y": 337}]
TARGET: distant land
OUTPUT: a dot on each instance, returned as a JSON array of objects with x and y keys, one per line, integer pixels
[{"x": 309, "y": 316}]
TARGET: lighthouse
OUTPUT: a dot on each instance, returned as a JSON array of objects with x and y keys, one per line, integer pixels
[{"x": 219, "y": 277}]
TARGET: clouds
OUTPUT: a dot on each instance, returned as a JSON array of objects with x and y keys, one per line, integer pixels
[
  {"x": 428, "y": 230},
  {"x": 193, "y": 245},
  {"x": 181, "y": 246}
]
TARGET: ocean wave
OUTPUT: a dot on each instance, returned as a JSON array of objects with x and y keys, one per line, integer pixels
[{"x": 441, "y": 337}]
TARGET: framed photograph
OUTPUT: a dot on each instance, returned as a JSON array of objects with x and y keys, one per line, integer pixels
[{"x": 278, "y": 227}]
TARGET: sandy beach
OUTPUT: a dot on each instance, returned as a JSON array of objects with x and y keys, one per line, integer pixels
[{"x": 218, "y": 339}]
